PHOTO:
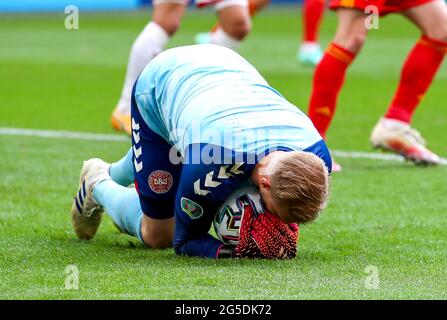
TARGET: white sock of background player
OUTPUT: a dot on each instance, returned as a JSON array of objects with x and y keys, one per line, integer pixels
[
  {"x": 148, "y": 44},
  {"x": 222, "y": 38},
  {"x": 219, "y": 36}
]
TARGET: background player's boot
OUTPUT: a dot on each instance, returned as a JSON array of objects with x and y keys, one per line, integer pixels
[
  {"x": 203, "y": 38},
  {"x": 399, "y": 137},
  {"x": 86, "y": 213},
  {"x": 310, "y": 54},
  {"x": 121, "y": 121}
]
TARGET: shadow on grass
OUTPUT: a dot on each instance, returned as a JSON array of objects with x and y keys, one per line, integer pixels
[{"x": 125, "y": 248}]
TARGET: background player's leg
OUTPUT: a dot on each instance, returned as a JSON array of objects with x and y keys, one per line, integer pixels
[
  {"x": 151, "y": 41},
  {"x": 235, "y": 23},
  {"x": 330, "y": 73},
  {"x": 393, "y": 132},
  {"x": 310, "y": 52},
  {"x": 253, "y": 7},
  {"x": 423, "y": 61}
]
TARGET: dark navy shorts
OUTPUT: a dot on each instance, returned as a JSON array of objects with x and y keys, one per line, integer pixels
[{"x": 156, "y": 178}]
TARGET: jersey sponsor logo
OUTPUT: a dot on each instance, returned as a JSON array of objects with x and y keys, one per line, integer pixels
[
  {"x": 191, "y": 208},
  {"x": 160, "y": 181}
]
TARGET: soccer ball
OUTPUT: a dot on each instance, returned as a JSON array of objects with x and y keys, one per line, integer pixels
[{"x": 228, "y": 218}]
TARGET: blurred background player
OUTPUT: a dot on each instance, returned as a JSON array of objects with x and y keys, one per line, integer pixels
[
  {"x": 233, "y": 16},
  {"x": 310, "y": 52},
  {"x": 393, "y": 131}
]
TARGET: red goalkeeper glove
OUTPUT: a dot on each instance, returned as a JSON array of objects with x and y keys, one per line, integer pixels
[{"x": 266, "y": 236}]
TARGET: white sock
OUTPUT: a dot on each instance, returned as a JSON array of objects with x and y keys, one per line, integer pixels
[
  {"x": 393, "y": 124},
  {"x": 310, "y": 46},
  {"x": 149, "y": 43},
  {"x": 222, "y": 38}
]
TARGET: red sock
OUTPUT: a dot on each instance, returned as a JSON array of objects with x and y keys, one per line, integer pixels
[
  {"x": 417, "y": 75},
  {"x": 312, "y": 13},
  {"x": 328, "y": 80}
]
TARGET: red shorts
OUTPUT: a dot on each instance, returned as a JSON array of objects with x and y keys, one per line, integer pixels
[{"x": 384, "y": 6}]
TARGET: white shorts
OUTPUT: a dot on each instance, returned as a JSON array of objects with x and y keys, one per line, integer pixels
[{"x": 218, "y": 4}]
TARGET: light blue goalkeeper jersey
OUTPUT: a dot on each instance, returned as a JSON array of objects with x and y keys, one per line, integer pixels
[{"x": 210, "y": 94}]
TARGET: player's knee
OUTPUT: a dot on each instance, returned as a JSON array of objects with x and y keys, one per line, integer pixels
[
  {"x": 354, "y": 42},
  {"x": 168, "y": 16},
  {"x": 239, "y": 28},
  {"x": 170, "y": 25},
  {"x": 438, "y": 33},
  {"x": 155, "y": 239},
  {"x": 351, "y": 33},
  {"x": 358, "y": 41}
]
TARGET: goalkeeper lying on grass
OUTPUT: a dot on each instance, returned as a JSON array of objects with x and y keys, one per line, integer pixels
[{"x": 204, "y": 122}]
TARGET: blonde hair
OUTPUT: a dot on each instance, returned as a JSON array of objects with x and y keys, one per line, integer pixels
[{"x": 300, "y": 183}]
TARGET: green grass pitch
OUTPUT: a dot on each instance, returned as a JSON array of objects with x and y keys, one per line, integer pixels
[{"x": 386, "y": 214}]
